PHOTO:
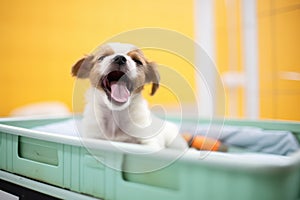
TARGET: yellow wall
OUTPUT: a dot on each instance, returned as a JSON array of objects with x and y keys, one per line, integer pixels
[
  {"x": 279, "y": 30},
  {"x": 41, "y": 40},
  {"x": 229, "y": 49},
  {"x": 278, "y": 41}
]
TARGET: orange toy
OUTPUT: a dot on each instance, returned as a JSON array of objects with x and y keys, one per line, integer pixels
[{"x": 204, "y": 143}]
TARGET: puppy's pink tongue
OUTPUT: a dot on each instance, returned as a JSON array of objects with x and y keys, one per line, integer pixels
[{"x": 119, "y": 92}]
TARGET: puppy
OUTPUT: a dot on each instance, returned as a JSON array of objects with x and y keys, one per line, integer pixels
[{"x": 115, "y": 108}]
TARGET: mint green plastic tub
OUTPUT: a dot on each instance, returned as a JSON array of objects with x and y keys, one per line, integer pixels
[{"x": 64, "y": 162}]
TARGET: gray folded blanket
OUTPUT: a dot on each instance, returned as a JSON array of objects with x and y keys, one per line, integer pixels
[{"x": 253, "y": 139}]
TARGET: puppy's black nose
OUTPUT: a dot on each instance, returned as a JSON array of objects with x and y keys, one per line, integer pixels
[{"x": 120, "y": 60}]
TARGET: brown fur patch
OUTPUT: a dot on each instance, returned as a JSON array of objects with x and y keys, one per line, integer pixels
[
  {"x": 149, "y": 69},
  {"x": 76, "y": 67},
  {"x": 95, "y": 76},
  {"x": 137, "y": 55},
  {"x": 152, "y": 75},
  {"x": 82, "y": 67}
]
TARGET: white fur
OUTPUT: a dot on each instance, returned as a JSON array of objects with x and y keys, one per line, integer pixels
[
  {"x": 99, "y": 121},
  {"x": 121, "y": 47},
  {"x": 131, "y": 121}
]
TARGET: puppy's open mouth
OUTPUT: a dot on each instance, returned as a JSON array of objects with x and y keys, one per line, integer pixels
[{"x": 117, "y": 86}]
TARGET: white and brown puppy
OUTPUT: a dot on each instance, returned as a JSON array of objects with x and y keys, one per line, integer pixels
[{"x": 115, "y": 108}]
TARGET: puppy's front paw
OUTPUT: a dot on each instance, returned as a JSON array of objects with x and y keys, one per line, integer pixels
[
  {"x": 178, "y": 143},
  {"x": 153, "y": 144}
]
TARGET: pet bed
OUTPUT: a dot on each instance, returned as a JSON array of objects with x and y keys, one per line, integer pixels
[{"x": 50, "y": 150}]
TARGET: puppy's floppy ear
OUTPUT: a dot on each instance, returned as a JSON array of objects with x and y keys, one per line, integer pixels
[
  {"x": 152, "y": 75},
  {"x": 82, "y": 67}
]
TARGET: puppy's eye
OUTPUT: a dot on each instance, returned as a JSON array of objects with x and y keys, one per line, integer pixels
[
  {"x": 138, "y": 62},
  {"x": 101, "y": 58}
]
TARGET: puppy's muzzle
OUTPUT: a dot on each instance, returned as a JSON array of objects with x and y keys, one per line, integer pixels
[{"x": 120, "y": 60}]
